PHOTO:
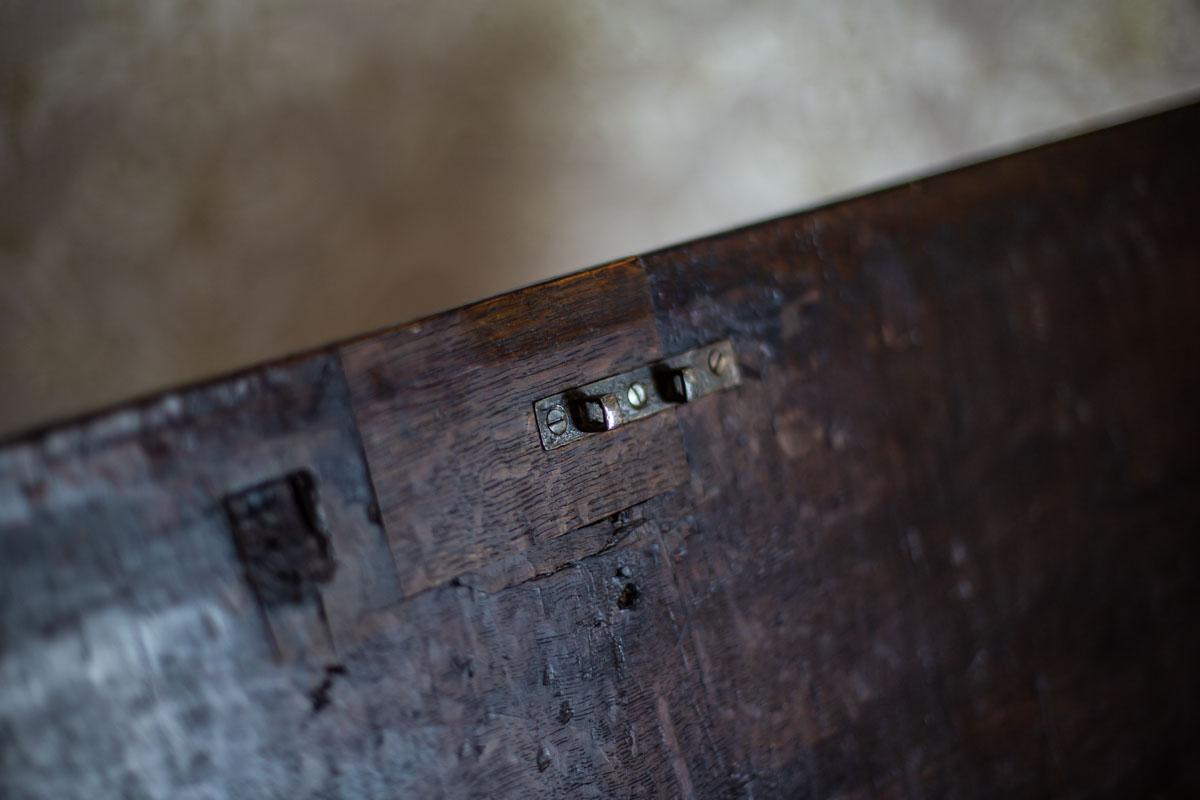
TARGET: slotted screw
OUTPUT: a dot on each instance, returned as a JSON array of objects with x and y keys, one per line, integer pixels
[
  {"x": 556, "y": 420},
  {"x": 636, "y": 395},
  {"x": 716, "y": 361}
]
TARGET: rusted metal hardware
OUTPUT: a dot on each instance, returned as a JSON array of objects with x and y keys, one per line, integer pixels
[{"x": 619, "y": 399}]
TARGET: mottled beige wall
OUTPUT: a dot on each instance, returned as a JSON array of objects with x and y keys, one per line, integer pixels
[{"x": 188, "y": 187}]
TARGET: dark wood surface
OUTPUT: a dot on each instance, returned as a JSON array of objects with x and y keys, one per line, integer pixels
[
  {"x": 942, "y": 541},
  {"x": 446, "y": 412}
]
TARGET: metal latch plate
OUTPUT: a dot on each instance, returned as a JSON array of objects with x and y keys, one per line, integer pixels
[{"x": 620, "y": 399}]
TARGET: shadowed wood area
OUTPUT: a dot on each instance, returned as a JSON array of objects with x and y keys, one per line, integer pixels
[{"x": 941, "y": 541}]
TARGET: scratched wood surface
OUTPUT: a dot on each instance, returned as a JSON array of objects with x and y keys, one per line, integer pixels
[
  {"x": 446, "y": 413},
  {"x": 940, "y": 542}
]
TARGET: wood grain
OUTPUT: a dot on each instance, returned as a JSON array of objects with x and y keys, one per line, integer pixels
[
  {"x": 957, "y": 506},
  {"x": 940, "y": 542},
  {"x": 118, "y": 501},
  {"x": 446, "y": 413}
]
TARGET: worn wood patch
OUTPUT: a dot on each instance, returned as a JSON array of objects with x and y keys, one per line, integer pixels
[
  {"x": 140, "y": 498},
  {"x": 446, "y": 412}
]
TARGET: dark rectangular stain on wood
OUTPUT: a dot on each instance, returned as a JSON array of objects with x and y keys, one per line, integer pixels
[{"x": 281, "y": 538}]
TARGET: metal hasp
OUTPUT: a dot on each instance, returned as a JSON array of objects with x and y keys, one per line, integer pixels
[{"x": 618, "y": 399}]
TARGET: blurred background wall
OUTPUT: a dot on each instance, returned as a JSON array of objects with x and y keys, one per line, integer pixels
[{"x": 188, "y": 187}]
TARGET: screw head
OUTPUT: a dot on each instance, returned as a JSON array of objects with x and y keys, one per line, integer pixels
[
  {"x": 716, "y": 361},
  {"x": 636, "y": 395},
  {"x": 556, "y": 420}
]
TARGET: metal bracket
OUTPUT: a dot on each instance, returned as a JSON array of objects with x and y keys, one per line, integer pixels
[{"x": 619, "y": 399}]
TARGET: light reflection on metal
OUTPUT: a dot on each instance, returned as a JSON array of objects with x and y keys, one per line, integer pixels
[{"x": 614, "y": 401}]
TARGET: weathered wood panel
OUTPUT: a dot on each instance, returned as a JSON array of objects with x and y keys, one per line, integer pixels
[
  {"x": 969, "y": 462},
  {"x": 940, "y": 542},
  {"x": 135, "y": 659},
  {"x": 446, "y": 411}
]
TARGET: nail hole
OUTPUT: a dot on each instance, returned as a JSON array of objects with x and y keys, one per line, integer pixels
[
  {"x": 629, "y": 596},
  {"x": 322, "y": 694}
]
